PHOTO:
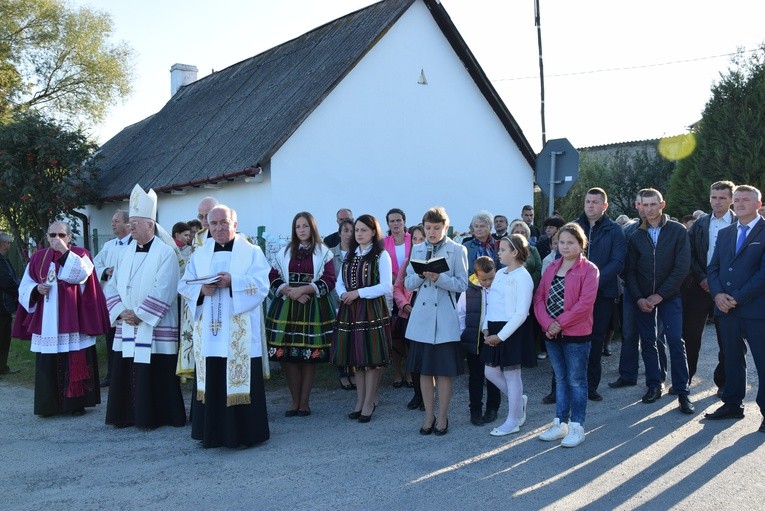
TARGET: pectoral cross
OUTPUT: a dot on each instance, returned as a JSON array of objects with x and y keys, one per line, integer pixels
[{"x": 215, "y": 325}]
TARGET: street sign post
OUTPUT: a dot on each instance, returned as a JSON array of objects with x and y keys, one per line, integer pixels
[{"x": 557, "y": 169}]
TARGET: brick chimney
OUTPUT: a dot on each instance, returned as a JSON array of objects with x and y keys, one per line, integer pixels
[{"x": 180, "y": 75}]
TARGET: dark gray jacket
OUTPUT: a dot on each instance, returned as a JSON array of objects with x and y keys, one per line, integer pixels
[
  {"x": 699, "y": 237},
  {"x": 658, "y": 269}
]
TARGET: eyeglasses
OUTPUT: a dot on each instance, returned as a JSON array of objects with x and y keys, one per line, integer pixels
[{"x": 59, "y": 234}]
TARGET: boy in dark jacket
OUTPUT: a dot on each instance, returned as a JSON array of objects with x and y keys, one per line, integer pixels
[{"x": 471, "y": 308}]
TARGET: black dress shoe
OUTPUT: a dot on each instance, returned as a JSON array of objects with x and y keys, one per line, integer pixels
[
  {"x": 549, "y": 399},
  {"x": 652, "y": 395},
  {"x": 414, "y": 403},
  {"x": 79, "y": 412},
  {"x": 304, "y": 413},
  {"x": 354, "y": 415},
  {"x": 291, "y": 413},
  {"x": 475, "y": 418},
  {"x": 606, "y": 352},
  {"x": 488, "y": 417},
  {"x": 367, "y": 418},
  {"x": 620, "y": 382},
  {"x": 593, "y": 395},
  {"x": 685, "y": 405},
  {"x": 427, "y": 431},
  {"x": 442, "y": 432},
  {"x": 726, "y": 412}
]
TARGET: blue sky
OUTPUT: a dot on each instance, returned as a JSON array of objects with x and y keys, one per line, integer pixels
[{"x": 615, "y": 70}]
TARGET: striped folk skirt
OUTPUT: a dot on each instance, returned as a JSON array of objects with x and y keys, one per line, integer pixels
[
  {"x": 363, "y": 334},
  {"x": 300, "y": 333}
]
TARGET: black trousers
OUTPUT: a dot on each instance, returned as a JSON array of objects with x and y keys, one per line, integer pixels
[
  {"x": 601, "y": 320},
  {"x": 476, "y": 381},
  {"x": 697, "y": 305},
  {"x": 5, "y": 339}
]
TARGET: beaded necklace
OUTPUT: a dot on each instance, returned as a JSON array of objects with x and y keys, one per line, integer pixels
[
  {"x": 51, "y": 276},
  {"x": 216, "y": 323}
]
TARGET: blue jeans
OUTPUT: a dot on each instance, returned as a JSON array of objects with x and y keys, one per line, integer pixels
[
  {"x": 630, "y": 352},
  {"x": 569, "y": 362},
  {"x": 670, "y": 312}
]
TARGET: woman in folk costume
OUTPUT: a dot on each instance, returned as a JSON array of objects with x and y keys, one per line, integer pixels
[
  {"x": 141, "y": 298},
  {"x": 363, "y": 336},
  {"x": 301, "y": 319},
  {"x": 62, "y": 310}
]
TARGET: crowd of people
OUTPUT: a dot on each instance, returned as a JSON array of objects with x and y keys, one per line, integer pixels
[{"x": 208, "y": 305}]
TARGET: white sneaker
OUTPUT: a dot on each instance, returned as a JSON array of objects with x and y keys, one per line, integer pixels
[
  {"x": 522, "y": 420},
  {"x": 575, "y": 435},
  {"x": 556, "y": 431},
  {"x": 542, "y": 356}
]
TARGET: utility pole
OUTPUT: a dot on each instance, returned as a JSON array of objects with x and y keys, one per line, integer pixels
[{"x": 537, "y": 23}]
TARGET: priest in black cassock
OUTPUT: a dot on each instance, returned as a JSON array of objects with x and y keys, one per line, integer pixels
[{"x": 224, "y": 285}]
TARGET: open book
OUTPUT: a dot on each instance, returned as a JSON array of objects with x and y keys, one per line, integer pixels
[
  {"x": 435, "y": 265},
  {"x": 209, "y": 279}
]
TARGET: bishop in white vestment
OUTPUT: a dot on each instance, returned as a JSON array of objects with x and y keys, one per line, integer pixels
[{"x": 142, "y": 301}]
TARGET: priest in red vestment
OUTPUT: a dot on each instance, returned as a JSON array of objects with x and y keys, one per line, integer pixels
[{"x": 62, "y": 310}]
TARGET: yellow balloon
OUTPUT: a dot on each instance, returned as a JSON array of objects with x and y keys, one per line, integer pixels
[{"x": 677, "y": 147}]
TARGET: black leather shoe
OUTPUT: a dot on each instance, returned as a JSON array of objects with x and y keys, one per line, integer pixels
[
  {"x": 685, "y": 405},
  {"x": 414, "y": 403},
  {"x": 549, "y": 399},
  {"x": 726, "y": 412},
  {"x": 488, "y": 417},
  {"x": 606, "y": 352},
  {"x": 652, "y": 395},
  {"x": 367, "y": 418},
  {"x": 593, "y": 395},
  {"x": 475, "y": 418},
  {"x": 304, "y": 413},
  {"x": 427, "y": 431},
  {"x": 354, "y": 415},
  {"x": 290, "y": 413},
  {"x": 620, "y": 382},
  {"x": 442, "y": 432}
]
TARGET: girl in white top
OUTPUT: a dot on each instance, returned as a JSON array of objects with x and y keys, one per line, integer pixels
[{"x": 506, "y": 327}]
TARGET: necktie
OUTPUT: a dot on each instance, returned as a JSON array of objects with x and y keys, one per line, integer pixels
[{"x": 741, "y": 237}]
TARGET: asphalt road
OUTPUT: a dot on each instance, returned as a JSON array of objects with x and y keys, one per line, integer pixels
[{"x": 636, "y": 456}]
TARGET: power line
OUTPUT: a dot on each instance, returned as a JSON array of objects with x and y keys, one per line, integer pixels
[{"x": 611, "y": 69}]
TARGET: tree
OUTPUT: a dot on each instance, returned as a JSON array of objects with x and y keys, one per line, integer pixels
[
  {"x": 621, "y": 174},
  {"x": 59, "y": 58},
  {"x": 730, "y": 137},
  {"x": 47, "y": 170}
]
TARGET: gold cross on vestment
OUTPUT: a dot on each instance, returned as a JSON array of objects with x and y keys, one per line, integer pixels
[{"x": 251, "y": 289}]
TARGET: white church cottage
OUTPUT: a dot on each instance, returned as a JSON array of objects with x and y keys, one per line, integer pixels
[{"x": 385, "y": 107}]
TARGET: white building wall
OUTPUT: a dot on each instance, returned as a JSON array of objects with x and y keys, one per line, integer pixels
[
  {"x": 252, "y": 202},
  {"x": 381, "y": 140}
]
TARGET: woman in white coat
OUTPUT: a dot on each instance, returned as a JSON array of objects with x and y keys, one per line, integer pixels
[{"x": 433, "y": 323}]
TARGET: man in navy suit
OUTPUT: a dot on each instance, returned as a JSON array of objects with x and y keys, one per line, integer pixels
[{"x": 736, "y": 277}]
